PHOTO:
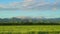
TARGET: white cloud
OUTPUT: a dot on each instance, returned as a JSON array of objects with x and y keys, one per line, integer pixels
[
  {"x": 30, "y": 4},
  {"x": 28, "y": 0}
]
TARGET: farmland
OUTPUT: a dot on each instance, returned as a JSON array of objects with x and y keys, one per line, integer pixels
[{"x": 29, "y": 28}]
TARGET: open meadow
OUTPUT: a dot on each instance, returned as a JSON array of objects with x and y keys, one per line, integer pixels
[{"x": 25, "y": 29}]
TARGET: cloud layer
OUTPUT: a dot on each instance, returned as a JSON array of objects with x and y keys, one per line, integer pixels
[{"x": 31, "y": 5}]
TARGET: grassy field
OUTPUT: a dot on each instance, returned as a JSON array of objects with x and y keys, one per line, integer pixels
[{"x": 28, "y": 28}]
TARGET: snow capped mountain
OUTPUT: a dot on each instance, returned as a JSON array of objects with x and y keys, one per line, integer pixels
[{"x": 28, "y": 17}]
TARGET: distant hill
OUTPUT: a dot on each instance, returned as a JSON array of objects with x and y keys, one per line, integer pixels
[{"x": 30, "y": 21}]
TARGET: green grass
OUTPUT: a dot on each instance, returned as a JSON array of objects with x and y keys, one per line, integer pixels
[
  {"x": 24, "y": 28},
  {"x": 28, "y": 28}
]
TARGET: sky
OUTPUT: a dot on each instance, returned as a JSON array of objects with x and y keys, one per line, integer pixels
[{"x": 31, "y": 8}]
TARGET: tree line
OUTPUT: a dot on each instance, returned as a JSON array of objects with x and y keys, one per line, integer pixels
[{"x": 29, "y": 21}]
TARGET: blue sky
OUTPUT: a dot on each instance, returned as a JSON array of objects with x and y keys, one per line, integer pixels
[{"x": 21, "y": 8}]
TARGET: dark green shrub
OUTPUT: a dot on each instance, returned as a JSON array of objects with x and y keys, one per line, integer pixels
[{"x": 42, "y": 33}]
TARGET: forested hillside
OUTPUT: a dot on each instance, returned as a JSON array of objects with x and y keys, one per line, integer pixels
[{"x": 30, "y": 21}]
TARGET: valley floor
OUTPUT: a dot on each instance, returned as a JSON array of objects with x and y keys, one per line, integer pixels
[{"x": 30, "y": 28}]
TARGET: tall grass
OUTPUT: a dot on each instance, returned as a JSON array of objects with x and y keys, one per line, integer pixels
[{"x": 32, "y": 32}]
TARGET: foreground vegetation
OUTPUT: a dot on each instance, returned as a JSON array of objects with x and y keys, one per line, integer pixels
[{"x": 30, "y": 29}]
